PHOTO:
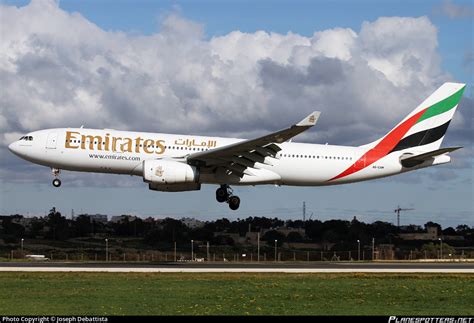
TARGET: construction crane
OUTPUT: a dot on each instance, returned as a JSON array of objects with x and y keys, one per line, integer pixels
[
  {"x": 397, "y": 210},
  {"x": 304, "y": 213}
]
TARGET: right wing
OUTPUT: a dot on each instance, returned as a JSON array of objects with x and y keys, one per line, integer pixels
[{"x": 236, "y": 158}]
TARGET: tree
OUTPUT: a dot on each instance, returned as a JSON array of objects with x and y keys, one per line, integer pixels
[
  {"x": 295, "y": 224},
  {"x": 330, "y": 236},
  {"x": 382, "y": 231},
  {"x": 37, "y": 225},
  {"x": 449, "y": 231},
  {"x": 125, "y": 227},
  {"x": 294, "y": 237},
  {"x": 462, "y": 228},
  {"x": 82, "y": 225},
  {"x": 201, "y": 234},
  {"x": 223, "y": 240},
  {"x": 272, "y": 235},
  {"x": 174, "y": 230},
  {"x": 58, "y": 228},
  {"x": 314, "y": 230},
  {"x": 432, "y": 250},
  {"x": 13, "y": 229}
]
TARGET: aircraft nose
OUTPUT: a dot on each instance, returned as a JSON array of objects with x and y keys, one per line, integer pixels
[{"x": 13, "y": 147}]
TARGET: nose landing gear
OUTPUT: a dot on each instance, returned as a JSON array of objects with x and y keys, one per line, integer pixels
[
  {"x": 56, "y": 180},
  {"x": 224, "y": 194}
]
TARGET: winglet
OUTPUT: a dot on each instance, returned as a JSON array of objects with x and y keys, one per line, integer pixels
[{"x": 310, "y": 120}]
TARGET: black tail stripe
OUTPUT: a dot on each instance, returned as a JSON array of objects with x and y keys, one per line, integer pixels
[{"x": 422, "y": 138}]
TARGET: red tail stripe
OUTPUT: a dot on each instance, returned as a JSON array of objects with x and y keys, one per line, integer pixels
[{"x": 383, "y": 147}]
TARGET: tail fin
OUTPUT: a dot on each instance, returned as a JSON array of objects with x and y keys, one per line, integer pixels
[
  {"x": 426, "y": 126},
  {"x": 424, "y": 129}
]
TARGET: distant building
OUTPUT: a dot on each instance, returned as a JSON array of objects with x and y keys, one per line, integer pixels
[
  {"x": 430, "y": 234},
  {"x": 99, "y": 218},
  {"x": 122, "y": 218},
  {"x": 251, "y": 238},
  {"x": 192, "y": 223},
  {"x": 24, "y": 222},
  {"x": 286, "y": 231},
  {"x": 411, "y": 228},
  {"x": 102, "y": 218}
]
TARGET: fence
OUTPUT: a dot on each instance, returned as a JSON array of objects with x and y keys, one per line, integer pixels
[{"x": 218, "y": 254}]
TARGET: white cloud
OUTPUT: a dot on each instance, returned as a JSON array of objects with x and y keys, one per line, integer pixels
[
  {"x": 454, "y": 11},
  {"x": 58, "y": 69}
]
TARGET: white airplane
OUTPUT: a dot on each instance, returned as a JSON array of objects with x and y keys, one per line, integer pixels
[{"x": 174, "y": 163}]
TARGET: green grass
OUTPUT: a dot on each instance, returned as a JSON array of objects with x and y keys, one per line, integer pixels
[{"x": 235, "y": 294}]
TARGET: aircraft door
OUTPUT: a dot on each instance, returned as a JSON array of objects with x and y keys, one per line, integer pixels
[{"x": 52, "y": 140}]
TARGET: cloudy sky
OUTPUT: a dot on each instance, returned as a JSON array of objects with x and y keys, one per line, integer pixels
[{"x": 239, "y": 69}]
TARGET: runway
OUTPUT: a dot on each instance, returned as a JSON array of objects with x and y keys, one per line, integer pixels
[{"x": 302, "y": 267}]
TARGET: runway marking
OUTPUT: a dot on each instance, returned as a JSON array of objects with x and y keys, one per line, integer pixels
[{"x": 237, "y": 270}]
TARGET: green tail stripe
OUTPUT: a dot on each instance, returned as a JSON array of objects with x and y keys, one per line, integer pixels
[{"x": 442, "y": 106}]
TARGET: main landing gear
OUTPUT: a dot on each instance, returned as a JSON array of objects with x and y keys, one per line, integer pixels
[
  {"x": 224, "y": 194},
  {"x": 56, "y": 180}
]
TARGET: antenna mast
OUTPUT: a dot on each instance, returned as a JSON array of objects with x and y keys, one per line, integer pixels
[{"x": 304, "y": 211}]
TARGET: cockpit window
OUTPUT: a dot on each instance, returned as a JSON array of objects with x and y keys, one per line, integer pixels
[
  {"x": 26, "y": 138},
  {"x": 30, "y": 138}
]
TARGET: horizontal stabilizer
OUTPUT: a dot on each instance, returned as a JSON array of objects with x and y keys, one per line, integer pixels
[{"x": 412, "y": 160}]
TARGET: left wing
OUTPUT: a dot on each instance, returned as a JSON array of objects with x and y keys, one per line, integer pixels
[{"x": 237, "y": 157}]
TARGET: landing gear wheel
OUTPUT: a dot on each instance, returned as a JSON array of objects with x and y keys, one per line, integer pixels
[
  {"x": 56, "y": 182},
  {"x": 234, "y": 202},
  {"x": 221, "y": 194}
]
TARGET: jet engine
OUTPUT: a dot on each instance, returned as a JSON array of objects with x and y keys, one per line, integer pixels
[{"x": 171, "y": 176}]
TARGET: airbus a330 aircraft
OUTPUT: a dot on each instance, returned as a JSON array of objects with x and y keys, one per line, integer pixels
[{"x": 174, "y": 163}]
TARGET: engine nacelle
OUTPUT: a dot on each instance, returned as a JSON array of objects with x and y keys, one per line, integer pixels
[
  {"x": 167, "y": 172},
  {"x": 175, "y": 187}
]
